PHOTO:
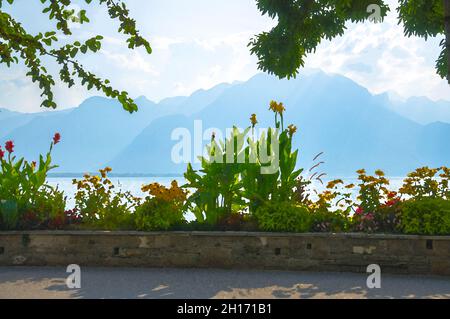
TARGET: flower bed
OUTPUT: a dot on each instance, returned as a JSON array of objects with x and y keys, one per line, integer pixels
[{"x": 256, "y": 193}]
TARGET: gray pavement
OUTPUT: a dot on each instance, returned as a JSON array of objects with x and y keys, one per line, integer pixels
[{"x": 49, "y": 282}]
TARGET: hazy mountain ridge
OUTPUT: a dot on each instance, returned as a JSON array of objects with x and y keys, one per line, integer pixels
[
  {"x": 418, "y": 110},
  {"x": 351, "y": 126},
  {"x": 354, "y": 128}
]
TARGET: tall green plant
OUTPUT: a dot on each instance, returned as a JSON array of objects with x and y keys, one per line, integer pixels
[
  {"x": 258, "y": 186},
  {"x": 276, "y": 178},
  {"x": 217, "y": 186},
  {"x": 244, "y": 170}
]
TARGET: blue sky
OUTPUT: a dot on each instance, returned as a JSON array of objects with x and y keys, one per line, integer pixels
[{"x": 199, "y": 43}]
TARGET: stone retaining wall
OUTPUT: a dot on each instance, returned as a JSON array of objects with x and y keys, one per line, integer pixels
[{"x": 315, "y": 252}]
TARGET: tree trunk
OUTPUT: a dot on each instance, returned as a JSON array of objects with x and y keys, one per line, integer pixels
[{"x": 447, "y": 34}]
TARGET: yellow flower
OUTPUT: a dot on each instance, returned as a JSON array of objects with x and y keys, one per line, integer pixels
[
  {"x": 273, "y": 106},
  {"x": 361, "y": 171},
  {"x": 253, "y": 120},
  {"x": 277, "y": 107},
  {"x": 334, "y": 183},
  {"x": 281, "y": 108},
  {"x": 379, "y": 172},
  {"x": 146, "y": 188},
  {"x": 292, "y": 129}
]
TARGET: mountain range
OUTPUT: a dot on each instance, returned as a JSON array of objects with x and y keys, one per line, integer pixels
[{"x": 334, "y": 115}]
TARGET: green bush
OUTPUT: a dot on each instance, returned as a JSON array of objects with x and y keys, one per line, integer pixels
[
  {"x": 157, "y": 215},
  {"x": 427, "y": 216},
  {"x": 162, "y": 209},
  {"x": 26, "y": 199},
  {"x": 283, "y": 217},
  {"x": 47, "y": 210},
  {"x": 99, "y": 206}
]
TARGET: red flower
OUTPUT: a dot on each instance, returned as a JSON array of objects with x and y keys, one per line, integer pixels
[
  {"x": 56, "y": 138},
  {"x": 392, "y": 195},
  {"x": 392, "y": 202},
  {"x": 9, "y": 145},
  {"x": 359, "y": 211},
  {"x": 2, "y": 153}
]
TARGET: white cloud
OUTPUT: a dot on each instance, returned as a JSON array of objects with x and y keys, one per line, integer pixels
[
  {"x": 24, "y": 96},
  {"x": 228, "y": 60},
  {"x": 132, "y": 60},
  {"x": 164, "y": 43},
  {"x": 381, "y": 58}
]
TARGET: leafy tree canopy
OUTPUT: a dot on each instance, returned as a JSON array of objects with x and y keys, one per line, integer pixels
[
  {"x": 303, "y": 24},
  {"x": 18, "y": 44}
]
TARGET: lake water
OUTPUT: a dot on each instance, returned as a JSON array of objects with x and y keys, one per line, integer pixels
[{"x": 133, "y": 184}]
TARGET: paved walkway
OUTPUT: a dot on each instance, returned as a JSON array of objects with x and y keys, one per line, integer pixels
[{"x": 37, "y": 282}]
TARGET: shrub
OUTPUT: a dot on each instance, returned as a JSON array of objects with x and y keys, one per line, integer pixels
[
  {"x": 384, "y": 218},
  {"x": 427, "y": 216},
  {"x": 427, "y": 211},
  {"x": 162, "y": 209},
  {"x": 47, "y": 211},
  {"x": 26, "y": 200},
  {"x": 330, "y": 212},
  {"x": 283, "y": 217},
  {"x": 373, "y": 190},
  {"x": 423, "y": 183},
  {"x": 99, "y": 206},
  {"x": 329, "y": 221}
]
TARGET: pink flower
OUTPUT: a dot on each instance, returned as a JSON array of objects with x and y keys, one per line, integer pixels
[
  {"x": 359, "y": 211},
  {"x": 2, "y": 152}
]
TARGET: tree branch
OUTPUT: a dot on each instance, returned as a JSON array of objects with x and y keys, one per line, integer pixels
[{"x": 447, "y": 35}]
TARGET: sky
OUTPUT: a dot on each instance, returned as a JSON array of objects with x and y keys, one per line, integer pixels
[{"x": 200, "y": 43}]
